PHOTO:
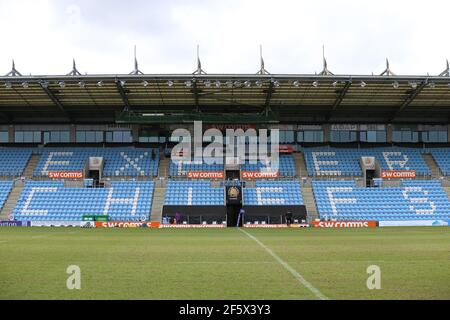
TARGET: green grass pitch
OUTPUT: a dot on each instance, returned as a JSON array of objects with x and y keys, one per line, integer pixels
[{"x": 224, "y": 263}]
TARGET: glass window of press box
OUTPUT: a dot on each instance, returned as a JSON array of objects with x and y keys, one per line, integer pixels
[
  {"x": 27, "y": 137},
  {"x": 310, "y": 136},
  {"x": 287, "y": 136},
  {"x": 119, "y": 136},
  {"x": 56, "y": 136},
  {"x": 4, "y": 136},
  {"x": 89, "y": 136},
  {"x": 343, "y": 136},
  {"x": 151, "y": 136},
  {"x": 435, "y": 136},
  {"x": 373, "y": 136}
]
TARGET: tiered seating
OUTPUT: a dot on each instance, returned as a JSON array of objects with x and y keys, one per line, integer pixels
[
  {"x": 442, "y": 158},
  {"x": 181, "y": 168},
  {"x": 5, "y": 189},
  {"x": 51, "y": 201},
  {"x": 196, "y": 193},
  {"x": 286, "y": 166},
  {"x": 13, "y": 161},
  {"x": 117, "y": 161},
  {"x": 326, "y": 161},
  {"x": 268, "y": 193},
  {"x": 414, "y": 200}
]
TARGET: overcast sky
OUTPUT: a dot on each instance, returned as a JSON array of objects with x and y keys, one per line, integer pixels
[{"x": 43, "y": 36}]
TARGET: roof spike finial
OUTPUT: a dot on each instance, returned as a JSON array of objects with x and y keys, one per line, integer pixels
[
  {"x": 262, "y": 69},
  {"x": 199, "y": 64},
  {"x": 136, "y": 70},
  {"x": 74, "y": 71},
  {"x": 446, "y": 72},
  {"x": 325, "y": 71},
  {"x": 13, "y": 72},
  {"x": 387, "y": 71}
]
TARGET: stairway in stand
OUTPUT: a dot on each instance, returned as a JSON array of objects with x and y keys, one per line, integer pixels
[
  {"x": 158, "y": 203},
  {"x": 10, "y": 203}
]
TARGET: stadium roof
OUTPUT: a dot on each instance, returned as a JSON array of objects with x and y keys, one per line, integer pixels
[{"x": 301, "y": 98}]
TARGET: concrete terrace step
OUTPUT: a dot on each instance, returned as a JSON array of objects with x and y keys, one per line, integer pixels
[
  {"x": 157, "y": 204},
  {"x": 300, "y": 164},
  {"x": 310, "y": 203},
  {"x": 11, "y": 202},
  {"x": 31, "y": 165},
  {"x": 431, "y": 163},
  {"x": 163, "y": 169}
]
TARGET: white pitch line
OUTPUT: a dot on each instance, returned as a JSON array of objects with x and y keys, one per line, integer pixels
[{"x": 294, "y": 272}]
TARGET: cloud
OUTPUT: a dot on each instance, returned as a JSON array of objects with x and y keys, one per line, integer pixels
[{"x": 43, "y": 36}]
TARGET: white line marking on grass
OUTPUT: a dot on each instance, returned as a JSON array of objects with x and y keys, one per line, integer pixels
[
  {"x": 294, "y": 272},
  {"x": 224, "y": 262}
]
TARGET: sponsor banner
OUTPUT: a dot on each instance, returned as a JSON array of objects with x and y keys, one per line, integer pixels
[
  {"x": 65, "y": 174},
  {"x": 13, "y": 223},
  {"x": 125, "y": 224},
  {"x": 55, "y": 223},
  {"x": 257, "y": 225},
  {"x": 344, "y": 224},
  {"x": 205, "y": 174},
  {"x": 259, "y": 174},
  {"x": 192, "y": 226},
  {"x": 285, "y": 148},
  {"x": 398, "y": 174},
  {"x": 413, "y": 223}
]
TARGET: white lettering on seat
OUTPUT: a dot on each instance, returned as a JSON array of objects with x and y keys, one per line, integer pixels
[
  {"x": 270, "y": 200},
  {"x": 50, "y": 160},
  {"x": 318, "y": 163},
  {"x": 133, "y": 162},
  {"x": 334, "y": 201},
  {"x": 415, "y": 200},
  {"x": 390, "y": 163},
  {"x": 33, "y": 191},
  {"x": 132, "y": 201}
]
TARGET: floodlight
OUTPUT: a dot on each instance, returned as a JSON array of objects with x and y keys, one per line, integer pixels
[
  {"x": 296, "y": 83},
  {"x": 237, "y": 83},
  {"x": 363, "y": 84},
  {"x": 229, "y": 83},
  {"x": 62, "y": 84},
  {"x": 188, "y": 83},
  {"x": 413, "y": 84},
  {"x": 170, "y": 83},
  {"x": 334, "y": 84},
  {"x": 44, "y": 84},
  {"x": 395, "y": 84},
  {"x": 100, "y": 83},
  {"x": 432, "y": 85},
  {"x": 8, "y": 85},
  {"x": 207, "y": 83},
  {"x": 122, "y": 83},
  {"x": 258, "y": 83},
  {"x": 25, "y": 84},
  {"x": 145, "y": 83},
  {"x": 247, "y": 83},
  {"x": 218, "y": 84},
  {"x": 315, "y": 83},
  {"x": 276, "y": 83}
]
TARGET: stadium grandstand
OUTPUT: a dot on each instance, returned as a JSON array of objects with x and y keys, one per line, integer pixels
[{"x": 352, "y": 148}]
